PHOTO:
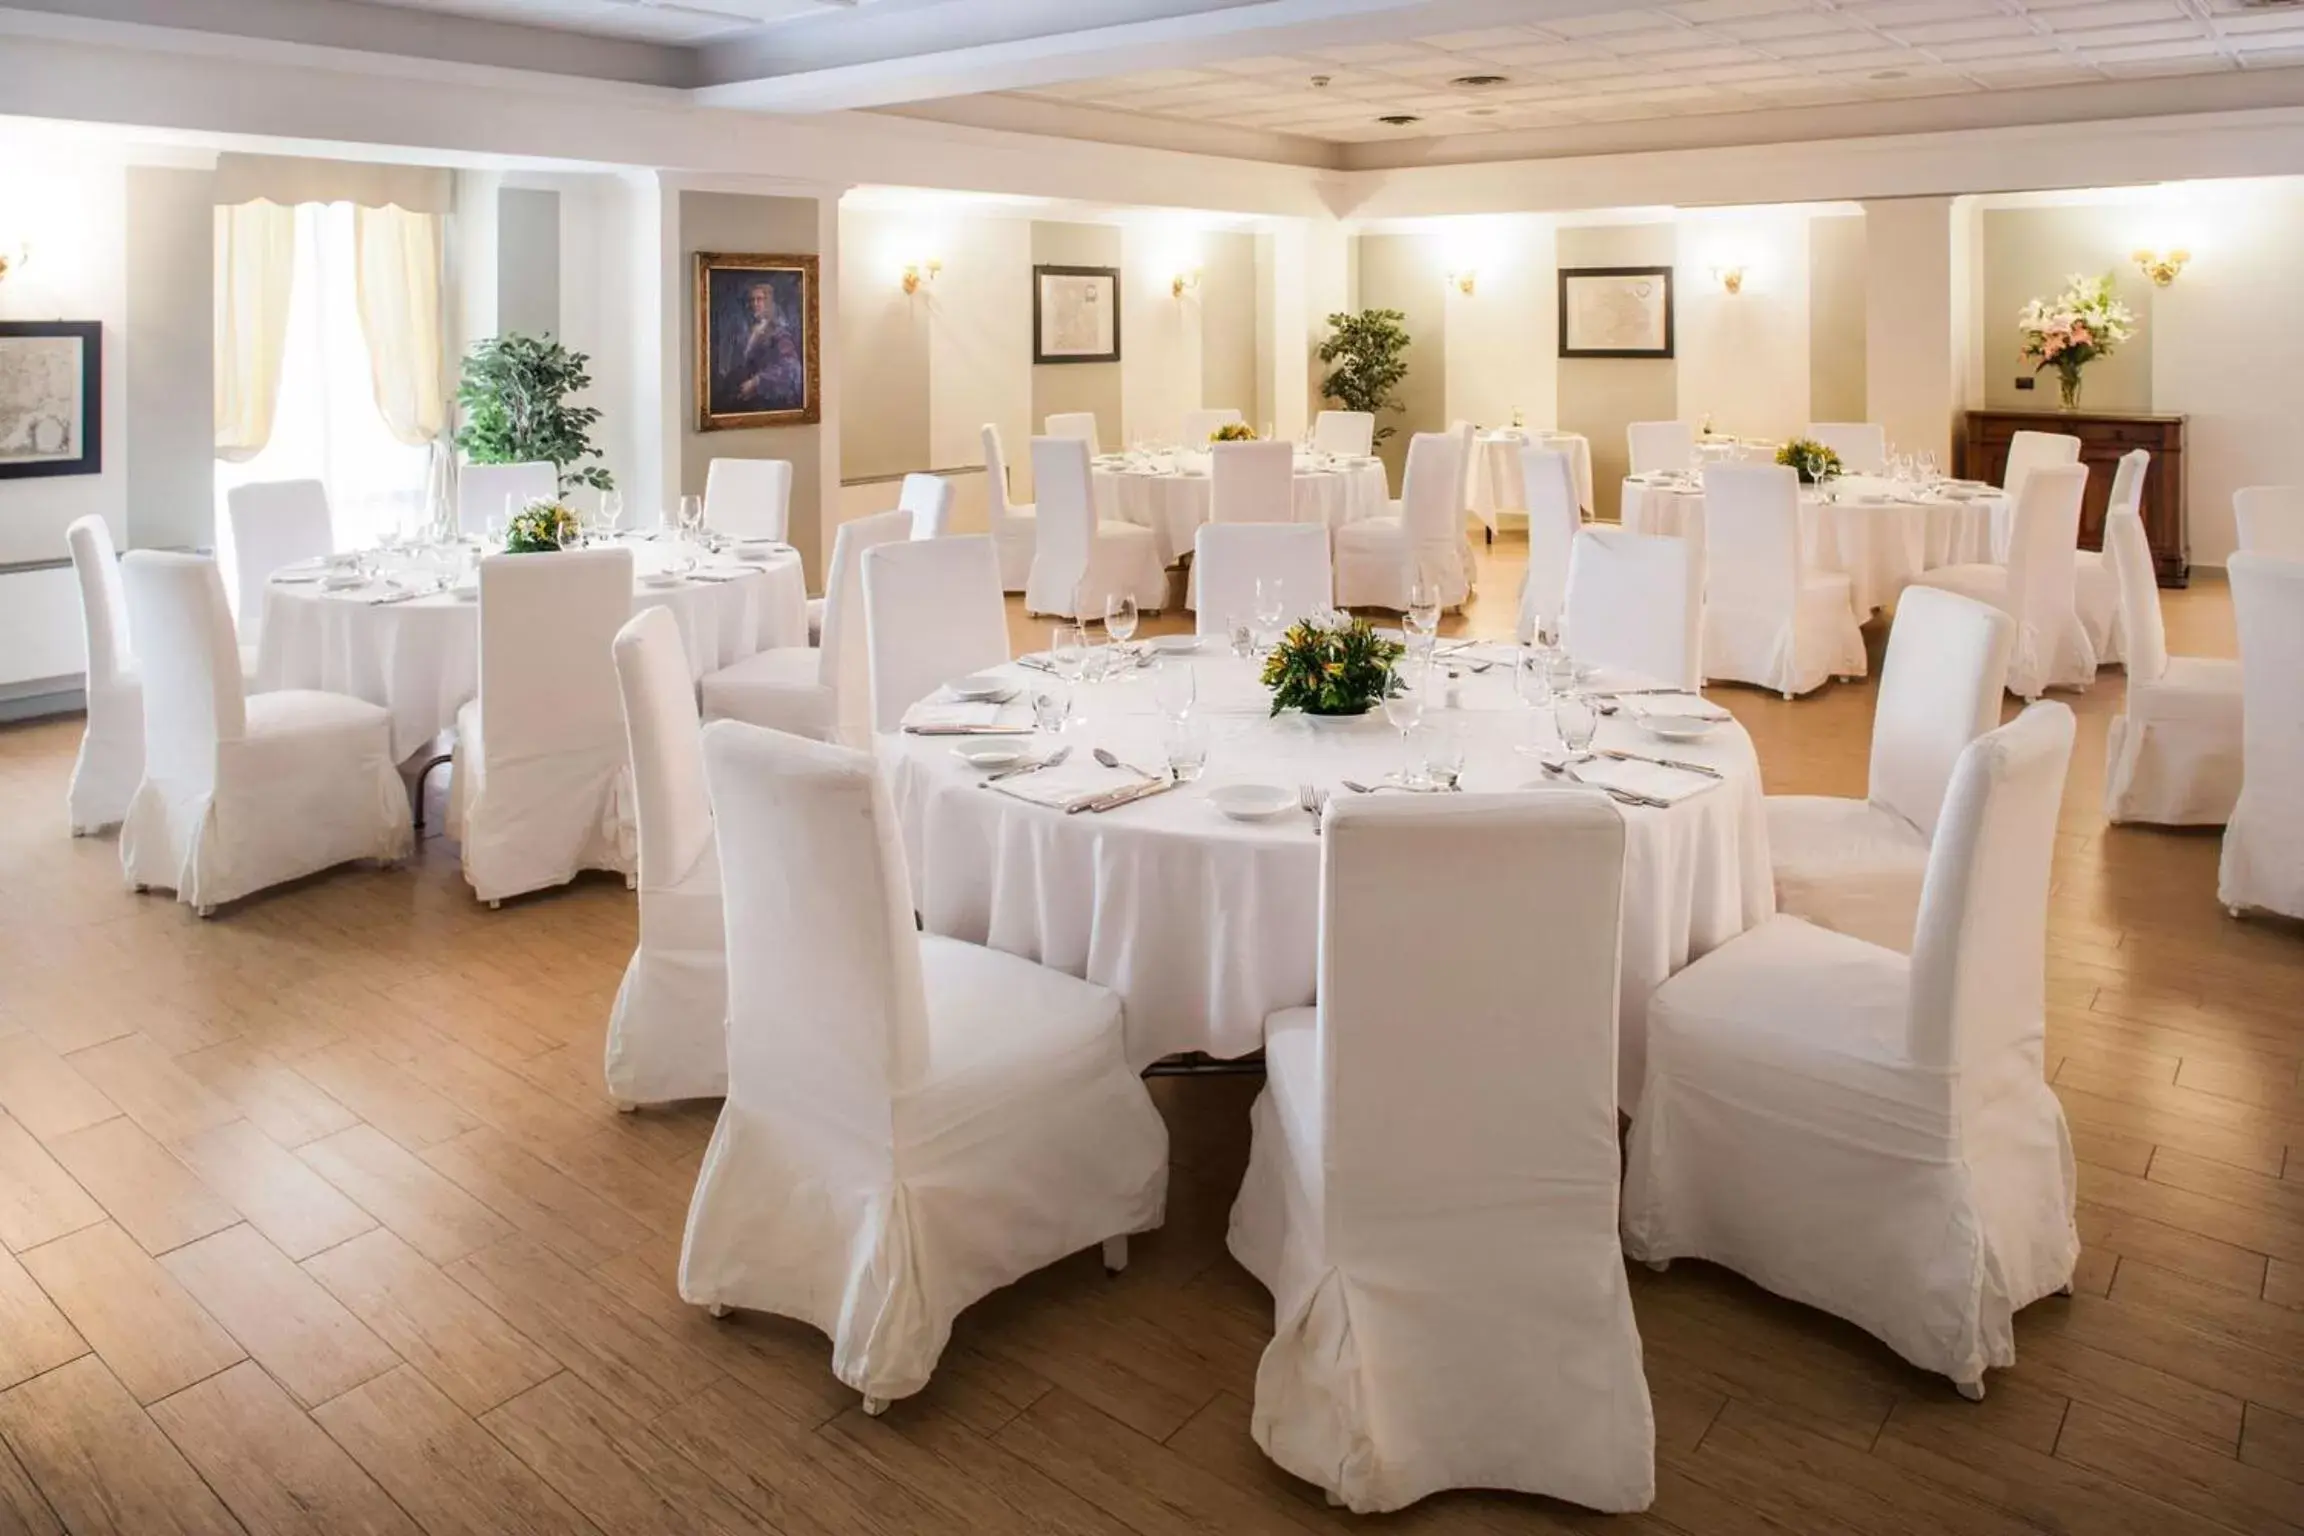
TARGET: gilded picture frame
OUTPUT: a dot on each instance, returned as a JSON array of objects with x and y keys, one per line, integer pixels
[{"x": 757, "y": 340}]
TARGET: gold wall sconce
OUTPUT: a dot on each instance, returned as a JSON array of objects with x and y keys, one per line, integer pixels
[
  {"x": 1184, "y": 282},
  {"x": 914, "y": 272},
  {"x": 14, "y": 257},
  {"x": 1465, "y": 282},
  {"x": 2161, "y": 269},
  {"x": 1731, "y": 279}
]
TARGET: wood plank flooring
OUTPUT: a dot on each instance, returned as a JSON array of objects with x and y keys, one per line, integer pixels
[{"x": 314, "y": 1218}]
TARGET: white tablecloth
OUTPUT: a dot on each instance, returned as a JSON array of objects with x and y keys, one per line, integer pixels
[
  {"x": 1168, "y": 493},
  {"x": 1496, "y": 482},
  {"x": 1204, "y": 926},
  {"x": 1882, "y": 535},
  {"x": 420, "y": 658}
]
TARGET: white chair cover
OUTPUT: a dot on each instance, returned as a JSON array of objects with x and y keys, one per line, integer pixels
[
  {"x": 1012, "y": 523},
  {"x": 749, "y": 498},
  {"x": 2028, "y": 451},
  {"x": 1659, "y": 445},
  {"x": 2173, "y": 755},
  {"x": 912, "y": 1122},
  {"x": 1199, "y": 426},
  {"x": 668, "y": 1033},
  {"x": 1768, "y": 620},
  {"x": 1252, "y": 483},
  {"x": 483, "y": 489},
  {"x": 274, "y": 523},
  {"x": 1855, "y": 866},
  {"x": 1636, "y": 602},
  {"x": 1077, "y": 425},
  {"x": 2095, "y": 584},
  {"x": 541, "y": 787},
  {"x": 2035, "y": 587},
  {"x": 821, "y": 691},
  {"x": 1079, "y": 561},
  {"x": 928, "y": 501},
  {"x": 1467, "y": 435},
  {"x": 2269, "y": 520},
  {"x": 1349, "y": 433},
  {"x": 1861, "y": 445},
  {"x": 1873, "y": 1135},
  {"x": 243, "y": 792},
  {"x": 1379, "y": 558},
  {"x": 932, "y": 612},
  {"x": 2263, "y": 862},
  {"x": 1549, "y": 493},
  {"x": 1431, "y": 1186},
  {"x": 1228, "y": 559},
  {"x": 111, "y": 760}
]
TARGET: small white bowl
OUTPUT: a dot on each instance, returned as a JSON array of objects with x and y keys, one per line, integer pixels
[
  {"x": 1252, "y": 802},
  {"x": 1678, "y": 727},
  {"x": 990, "y": 755},
  {"x": 983, "y": 685}
]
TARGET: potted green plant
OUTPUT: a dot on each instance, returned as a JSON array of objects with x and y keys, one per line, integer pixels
[
  {"x": 1329, "y": 666},
  {"x": 514, "y": 391},
  {"x": 1366, "y": 366}
]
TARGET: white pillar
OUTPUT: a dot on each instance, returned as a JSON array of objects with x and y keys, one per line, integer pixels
[{"x": 1915, "y": 321}]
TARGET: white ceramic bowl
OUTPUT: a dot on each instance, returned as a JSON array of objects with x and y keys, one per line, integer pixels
[
  {"x": 1252, "y": 802},
  {"x": 982, "y": 685},
  {"x": 1678, "y": 727},
  {"x": 990, "y": 755}
]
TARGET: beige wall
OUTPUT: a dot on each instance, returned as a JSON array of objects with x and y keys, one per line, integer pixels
[
  {"x": 884, "y": 341},
  {"x": 1228, "y": 326},
  {"x": 1407, "y": 273},
  {"x": 171, "y": 428},
  {"x": 1059, "y": 387},
  {"x": 2028, "y": 254},
  {"x": 729, "y": 221},
  {"x": 1836, "y": 318},
  {"x": 1600, "y": 396}
]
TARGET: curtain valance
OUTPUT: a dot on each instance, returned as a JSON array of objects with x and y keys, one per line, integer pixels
[{"x": 289, "y": 180}]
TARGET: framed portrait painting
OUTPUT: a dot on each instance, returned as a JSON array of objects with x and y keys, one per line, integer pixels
[
  {"x": 1615, "y": 311},
  {"x": 1075, "y": 314},
  {"x": 756, "y": 341},
  {"x": 51, "y": 398}
]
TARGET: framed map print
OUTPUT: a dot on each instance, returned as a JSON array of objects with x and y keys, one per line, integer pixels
[
  {"x": 1615, "y": 311},
  {"x": 756, "y": 345},
  {"x": 1075, "y": 314},
  {"x": 51, "y": 398}
]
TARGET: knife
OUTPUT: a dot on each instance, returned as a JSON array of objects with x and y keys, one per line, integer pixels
[
  {"x": 1705, "y": 769},
  {"x": 1125, "y": 796}
]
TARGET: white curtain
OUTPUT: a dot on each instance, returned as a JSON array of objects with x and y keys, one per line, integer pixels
[
  {"x": 255, "y": 274},
  {"x": 396, "y": 281}
]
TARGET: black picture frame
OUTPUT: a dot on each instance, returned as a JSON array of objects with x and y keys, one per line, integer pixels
[
  {"x": 1040, "y": 349},
  {"x": 90, "y": 459},
  {"x": 1570, "y": 276}
]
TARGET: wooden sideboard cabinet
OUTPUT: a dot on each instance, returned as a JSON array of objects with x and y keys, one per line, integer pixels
[{"x": 2104, "y": 437}]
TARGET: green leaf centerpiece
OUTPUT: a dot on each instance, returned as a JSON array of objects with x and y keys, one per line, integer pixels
[
  {"x": 1329, "y": 664},
  {"x": 540, "y": 527}
]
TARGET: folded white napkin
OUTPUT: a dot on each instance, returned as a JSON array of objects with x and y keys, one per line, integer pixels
[
  {"x": 1067, "y": 784},
  {"x": 1675, "y": 704},
  {"x": 1671, "y": 785},
  {"x": 931, "y": 716}
]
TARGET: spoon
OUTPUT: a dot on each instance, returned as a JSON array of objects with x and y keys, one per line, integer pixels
[{"x": 1110, "y": 761}]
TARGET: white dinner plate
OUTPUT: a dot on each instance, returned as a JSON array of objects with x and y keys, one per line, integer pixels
[
  {"x": 342, "y": 581},
  {"x": 1678, "y": 727},
  {"x": 990, "y": 754},
  {"x": 1175, "y": 645},
  {"x": 981, "y": 686},
  {"x": 662, "y": 579},
  {"x": 1252, "y": 802}
]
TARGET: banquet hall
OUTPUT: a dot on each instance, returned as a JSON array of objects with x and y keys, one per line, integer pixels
[{"x": 1159, "y": 766}]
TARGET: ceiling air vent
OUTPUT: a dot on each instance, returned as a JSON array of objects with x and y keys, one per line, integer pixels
[
  {"x": 1399, "y": 119},
  {"x": 1475, "y": 82}
]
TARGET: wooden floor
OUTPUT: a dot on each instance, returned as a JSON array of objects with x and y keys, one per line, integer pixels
[{"x": 315, "y": 1219}]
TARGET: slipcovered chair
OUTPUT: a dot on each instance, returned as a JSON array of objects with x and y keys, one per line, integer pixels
[
  {"x": 2028, "y": 451},
  {"x": 243, "y": 792},
  {"x": 1855, "y": 866},
  {"x": 111, "y": 760},
  {"x": 1379, "y": 558},
  {"x": 1080, "y": 560},
  {"x": 2263, "y": 858},
  {"x": 932, "y": 612},
  {"x": 2095, "y": 584},
  {"x": 1080, "y": 426},
  {"x": 275, "y": 523},
  {"x": 912, "y": 1122},
  {"x": 1548, "y": 481},
  {"x": 1862, "y": 446},
  {"x": 1431, "y": 1194},
  {"x": 749, "y": 498},
  {"x": 1873, "y": 1135},
  {"x": 1636, "y": 602},
  {"x": 1348, "y": 434},
  {"x": 2173, "y": 754},
  {"x": 484, "y": 490},
  {"x": 2035, "y": 587},
  {"x": 1229, "y": 559},
  {"x": 1013, "y": 524},
  {"x": 2269, "y": 520},
  {"x": 1654, "y": 446},
  {"x": 927, "y": 500},
  {"x": 1770, "y": 619},
  {"x": 668, "y": 1033}
]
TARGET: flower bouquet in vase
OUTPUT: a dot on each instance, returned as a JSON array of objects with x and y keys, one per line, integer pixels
[
  {"x": 540, "y": 527},
  {"x": 2072, "y": 330},
  {"x": 1233, "y": 432},
  {"x": 1812, "y": 459},
  {"x": 1329, "y": 666}
]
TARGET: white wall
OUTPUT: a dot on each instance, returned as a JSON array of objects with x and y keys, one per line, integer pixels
[
  {"x": 1743, "y": 356},
  {"x": 1916, "y": 346},
  {"x": 979, "y": 363},
  {"x": 1159, "y": 331},
  {"x": 1502, "y": 336}
]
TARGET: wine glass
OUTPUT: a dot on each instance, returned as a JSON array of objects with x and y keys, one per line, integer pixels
[
  {"x": 1577, "y": 720},
  {"x": 1271, "y": 607},
  {"x": 1175, "y": 687},
  {"x": 1120, "y": 617},
  {"x": 691, "y": 516},
  {"x": 611, "y": 512},
  {"x": 1067, "y": 647},
  {"x": 1423, "y": 615},
  {"x": 1404, "y": 701}
]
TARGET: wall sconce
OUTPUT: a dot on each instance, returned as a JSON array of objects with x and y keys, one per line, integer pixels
[
  {"x": 914, "y": 271},
  {"x": 2161, "y": 269},
  {"x": 14, "y": 257},
  {"x": 1731, "y": 279},
  {"x": 1465, "y": 282},
  {"x": 1185, "y": 282}
]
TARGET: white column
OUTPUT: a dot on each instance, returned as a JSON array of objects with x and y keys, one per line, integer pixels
[{"x": 1915, "y": 321}]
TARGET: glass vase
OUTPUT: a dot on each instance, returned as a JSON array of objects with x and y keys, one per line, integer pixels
[{"x": 2068, "y": 390}]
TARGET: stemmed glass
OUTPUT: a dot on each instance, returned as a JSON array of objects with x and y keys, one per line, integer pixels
[
  {"x": 611, "y": 513},
  {"x": 1271, "y": 607},
  {"x": 1067, "y": 648},
  {"x": 1577, "y": 720},
  {"x": 1422, "y": 620},
  {"x": 691, "y": 516},
  {"x": 1175, "y": 688},
  {"x": 1404, "y": 704},
  {"x": 1120, "y": 617}
]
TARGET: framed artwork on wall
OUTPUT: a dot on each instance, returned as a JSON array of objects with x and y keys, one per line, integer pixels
[
  {"x": 756, "y": 341},
  {"x": 51, "y": 398},
  {"x": 1615, "y": 311},
  {"x": 1075, "y": 314}
]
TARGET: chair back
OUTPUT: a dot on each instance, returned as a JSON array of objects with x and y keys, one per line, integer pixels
[
  {"x": 1432, "y": 491},
  {"x": 2269, "y": 520},
  {"x": 2128, "y": 480},
  {"x": 664, "y": 736},
  {"x": 1862, "y": 446},
  {"x": 103, "y": 607},
  {"x": 827, "y": 1014},
  {"x": 191, "y": 665},
  {"x": 1467, "y": 437},
  {"x": 927, "y": 501},
  {"x": 274, "y": 523},
  {"x": 1345, "y": 432},
  {"x": 1064, "y": 509},
  {"x": 2130, "y": 552},
  {"x": 1980, "y": 946},
  {"x": 2268, "y": 610},
  {"x": 1940, "y": 689},
  {"x": 1659, "y": 445},
  {"x": 481, "y": 491},
  {"x": 2042, "y": 570},
  {"x": 1752, "y": 538},
  {"x": 548, "y": 625},
  {"x": 749, "y": 498},
  {"x": 1230, "y": 558},
  {"x": 2028, "y": 451},
  {"x": 997, "y": 503},
  {"x": 932, "y": 612},
  {"x": 1252, "y": 483},
  {"x": 1199, "y": 426},
  {"x": 1548, "y": 491},
  {"x": 1080, "y": 426},
  {"x": 844, "y": 656},
  {"x": 1635, "y": 602}
]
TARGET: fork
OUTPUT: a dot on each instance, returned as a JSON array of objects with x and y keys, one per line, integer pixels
[
  {"x": 1313, "y": 801},
  {"x": 1620, "y": 796}
]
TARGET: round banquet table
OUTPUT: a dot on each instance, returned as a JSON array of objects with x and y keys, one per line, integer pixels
[
  {"x": 1878, "y": 532},
  {"x": 1204, "y": 926},
  {"x": 1168, "y": 493},
  {"x": 419, "y": 656},
  {"x": 1496, "y": 488}
]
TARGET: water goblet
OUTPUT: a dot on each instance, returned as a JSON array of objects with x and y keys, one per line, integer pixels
[
  {"x": 1271, "y": 608},
  {"x": 1120, "y": 617},
  {"x": 1067, "y": 647},
  {"x": 1404, "y": 686},
  {"x": 1578, "y": 721},
  {"x": 1186, "y": 748}
]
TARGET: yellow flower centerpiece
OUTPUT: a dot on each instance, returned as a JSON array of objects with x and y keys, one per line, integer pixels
[
  {"x": 1233, "y": 432},
  {"x": 542, "y": 526},
  {"x": 1811, "y": 458},
  {"x": 1329, "y": 664}
]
